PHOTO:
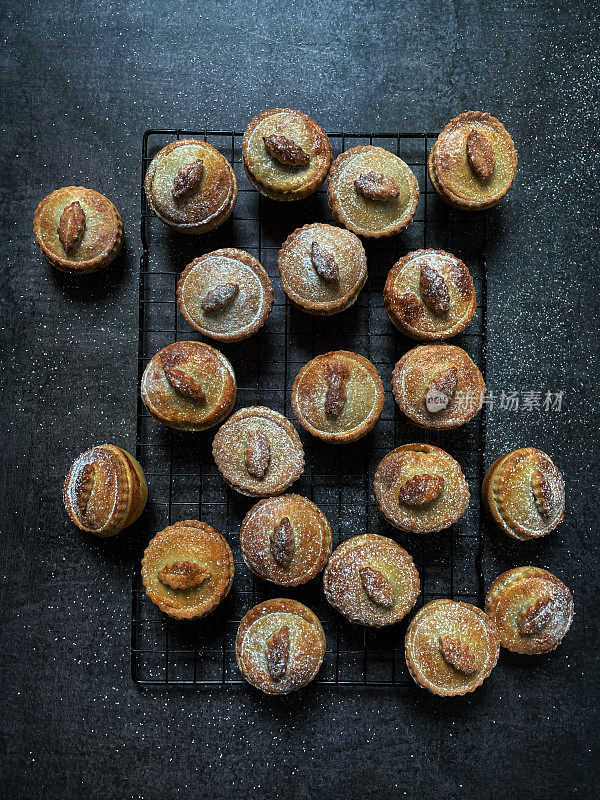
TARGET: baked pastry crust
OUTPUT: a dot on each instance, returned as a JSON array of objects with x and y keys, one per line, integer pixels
[
  {"x": 524, "y": 492},
  {"x": 344, "y": 376},
  {"x": 370, "y": 217},
  {"x": 371, "y": 580},
  {"x": 189, "y": 386},
  {"x": 246, "y": 294},
  {"x": 277, "y": 180},
  {"x": 531, "y": 608},
  {"x": 451, "y": 647},
  {"x": 429, "y": 295},
  {"x": 454, "y": 179},
  {"x": 105, "y": 490},
  {"x": 200, "y": 546},
  {"x": 294, "y": 665},
  {"x": 101, "y": 236},
  {"x": 431, "y": 484},
  {"x": 211, "y": 199},
  {"x": 438, "y": 386},
  {"x": 285, "y": 540},
  {"x": 302, "y": 283},
  {"x": 246, "y": 431}
]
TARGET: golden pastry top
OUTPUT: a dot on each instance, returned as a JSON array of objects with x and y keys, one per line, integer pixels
[
  {"x": 267, "y": 163},
  {"x": 420, "y": 488},
  {"x": 338, "y": 396},
  {"x": 226, "y": 294},
  {"x": 83, "y": 221},
  {"x": 371, "y": 580},
  {"x": 438, "y": 386},
  {"x": 280, "y": 646},
  {"x": 429, "y": 294},
  {"x": 285, "y": 539},
  {"x": 187, "y": 569},
  {"x": 459, "y": 174},
  {"x": 258, "y": 452},
  {"x": 307, "y": 283},
  {"x": 191, "y": 185},
  {"x": 531, "y": 608},
  {"x": 105, "y": 490},
  {"x": 366, "y": 212},
  {"x": 451, "y": 647},
  {"x": 525, "y": 492},
  {"x": 189, "y": 385}
]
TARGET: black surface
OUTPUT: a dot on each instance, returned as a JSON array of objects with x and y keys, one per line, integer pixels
[{"x": 81, "y": 83}]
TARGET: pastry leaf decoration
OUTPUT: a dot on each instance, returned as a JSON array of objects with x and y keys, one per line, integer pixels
[
  {"x": 376, "y": 186},
  {"x": 257, "y": 456},
  {"x": 458, "y": 655},
  {"x": 285, "y": 150},
  {"x": 480, "y": 154},
  {"x": 335, "y": 396},
  {"x": 421, "y": 489},
  {"x": 282, "y": 543},
  {"x": 535, "y": 618},
  {"x": 434, "y": 290},
  {"x": 220, "y": 296},
  {"x": 441, "y": 390},
  {"x": 379, "y": 590},
  {"x": 324, "y": 264},
  {"x": 188, "y": 179},
  {"x": 71, "y": 226},
  {"x": 277, "y": 652},
  {"x": 183, "y": 575}
]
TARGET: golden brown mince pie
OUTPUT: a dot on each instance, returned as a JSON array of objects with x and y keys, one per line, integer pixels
[
  {"x": 451, "y": 647},
  {"x": 473, "y": 163},
  {"x": 78, "y": 230},
  {"x": 286, "y": 154},
  {"x": 258, "y": 452},
  {"x": 525, "y": 493},
  {"x": 338, "y": 397},
  {"x": 286, "y": 540},
  {"x": 429, "y": 295},
  {"x": 280, "y": 646},
  {"x": 188, "y": 569},
  {"x": 371, "y": 580},
  {"x": 190, "y": 186},
  {"x": 531, "y": 608},
  {"x": 372, "y": 192},
  {"x": 420, "y": 488},
  {"x": 226, "y": 295},
  {"x": 322, "y": 268},
  {"x": 105, "y": 490},
  {"x": 438, "y": 386},
  {"x": 189, "y": 386}
]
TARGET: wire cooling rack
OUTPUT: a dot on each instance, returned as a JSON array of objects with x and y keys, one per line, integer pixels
[{"x": 184, "y": 482}]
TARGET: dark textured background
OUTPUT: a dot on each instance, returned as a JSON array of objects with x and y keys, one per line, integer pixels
[{"x": 82, "y": 81}]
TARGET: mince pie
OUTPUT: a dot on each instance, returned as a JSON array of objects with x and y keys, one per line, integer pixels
[
  {"x": 371, "y": 580},
  {"x": 78, "y": 230},
  {"x": 190, "y": 186},
  {"x": 451, "y": 647},
  {"x": 280, "y": 646},
  {"x": 226, "y": 295},
  {"x": 189, "y": 386},
  {"x": 258, "y": 452},
  {"x": 322, "y": 268},
  {"x": 420, "y": 488},
  {"x": 105, "y": 490},
  {"x": 429, "y": 295},
  {"x": 525, "y": 493},
  {"x": 338, "y": 397},
  {"x": 473, "y": 163},
  {"x": 531, "y": 608},
  {"x": 286, "y": 154},
  {"x": 372, "y": 192},
  {"x": 438, "y": 386},
  {"x": 187, "y": 569},
  {"x": 286, "y": 540}
]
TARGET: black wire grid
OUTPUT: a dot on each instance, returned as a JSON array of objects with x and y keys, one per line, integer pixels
[{"x": 184, "y": 482}]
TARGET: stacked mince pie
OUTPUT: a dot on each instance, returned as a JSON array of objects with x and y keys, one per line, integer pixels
[{"x": 337, "y": 397}]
